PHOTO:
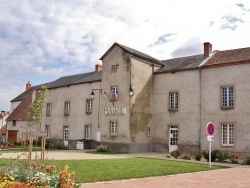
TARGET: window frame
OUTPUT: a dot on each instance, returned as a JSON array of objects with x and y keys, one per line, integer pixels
[
  {"x": 66, "y": 108},
  {"x": 48, "y": 131},
  {"x": 113, "y": 127},
  {"x": 174, "y": 101},
  {"x": 225, "y": 100},
  {"x": 89, "y": 106},
  {"x": 228, "y": 136},
  {"x": 49, "y": 109},
  {"x": 87, "y": 132},
  {"x": 114, "y": 92}
]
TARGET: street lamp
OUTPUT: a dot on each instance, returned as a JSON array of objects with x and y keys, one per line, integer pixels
[
  {"x": 92, "y": 95},
  {"x": 2, "y": 113},
  {"x": 131, "y": 91}
]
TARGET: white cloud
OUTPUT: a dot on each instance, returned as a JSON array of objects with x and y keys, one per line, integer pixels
[{"x": 43, "y": 40}]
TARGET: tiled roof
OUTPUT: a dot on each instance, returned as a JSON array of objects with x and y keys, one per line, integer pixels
[
  {"x": 20, "y": 112},
  {"x": 76, "y": 79},
  {"x": 183, "y": 63},
  {"x": 135, "y": 53},
  {"x": 3, "y": 130},
  {"x": 240, "y": 55}
]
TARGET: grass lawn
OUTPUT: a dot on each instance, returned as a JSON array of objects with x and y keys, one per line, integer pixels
[{"x": 129, "y": 168}]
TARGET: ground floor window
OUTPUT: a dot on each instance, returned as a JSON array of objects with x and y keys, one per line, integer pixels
[
  {"x": 47, "y": 131},
  {"x": 66, "y": 133},
  {"x": 87, "y": 132},
  {"x": 227, "y": 134},
  {"x": 113, "y": 125}
]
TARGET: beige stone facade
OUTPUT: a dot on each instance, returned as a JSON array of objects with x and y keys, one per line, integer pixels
[{"x": 172, "y": 102}]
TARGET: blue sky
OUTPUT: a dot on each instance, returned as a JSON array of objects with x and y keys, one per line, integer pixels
[{"x": 43, "y": 40}]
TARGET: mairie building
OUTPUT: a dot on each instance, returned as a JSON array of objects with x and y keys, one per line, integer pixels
[{"x": 133, "y": 102}]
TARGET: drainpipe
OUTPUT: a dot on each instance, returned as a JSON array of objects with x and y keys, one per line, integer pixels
[{"x": 199, "y": 109}]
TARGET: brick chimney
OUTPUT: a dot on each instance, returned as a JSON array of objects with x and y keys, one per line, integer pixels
[
  {"x": 98, "y": 68},
  {"x": 207, "y": 49},
  {"x": 28, "y": 85}
]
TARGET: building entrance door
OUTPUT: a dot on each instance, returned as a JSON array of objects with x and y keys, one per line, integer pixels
[
  {"x": 173, "y": 138},
  {"x": 12, "y": 136}
]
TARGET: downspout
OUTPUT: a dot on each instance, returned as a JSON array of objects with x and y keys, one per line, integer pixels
[{"x": 199, "y": 142}]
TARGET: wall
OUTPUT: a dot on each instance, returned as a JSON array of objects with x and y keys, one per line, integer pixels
[
  {"x": 121, "y": 79},
  {"x": 76, "y": 121},
  {"x": 186, "y": 83},
  {"x": 212, "y": 80}
]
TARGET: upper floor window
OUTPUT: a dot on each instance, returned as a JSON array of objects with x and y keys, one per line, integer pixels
[
  {"x": 66, "y": 108},
  {"x": 87, "y": 132},
  {"x": 114, "y": 93},
  {"x": 227, "y": 134},
  {"x": 173, "y": 101},
  {"x": 48, "y": 109},
  {"x": 113, "y": 125},
  {"x": 89, "y": 106},
  {"x": 227, "y": 94},
  {"x": 14, "y": 122}
]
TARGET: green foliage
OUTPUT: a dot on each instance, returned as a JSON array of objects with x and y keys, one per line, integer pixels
[
  {"x": 198, "y": 155},
  {"x": 247, "y": 161},
  {"x": 185, "y": 157},
  {"x": 175, "y": 153},
  {"x": 35, "y": 117},
  {"x": 213, "y": 155},
  {"x": 168, "y": 156},
  {"x": 222, "y": 156},
  {"x": 234, "y": 161},
  {"x": 103, "y": 148},
  {"x": 55, "y": 145}
]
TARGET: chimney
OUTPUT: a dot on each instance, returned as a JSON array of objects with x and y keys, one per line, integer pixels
[
  {"x": 207, "y": 49},
  {"x": 98, "y": 68},
  {"x": 28, "y": 85}
]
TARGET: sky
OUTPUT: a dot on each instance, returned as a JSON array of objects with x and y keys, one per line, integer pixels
[{"x": 43, "y": 40}]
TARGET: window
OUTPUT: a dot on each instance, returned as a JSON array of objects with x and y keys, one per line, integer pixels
[
  {"x": 48, "y": 109},
  {"x": 114, "y": 93},
  {"x": 173, "y": 101},
  {"x": 88, "y": 106},
  {"x": 14, "y": 122},
  {"x": 113, "y": 127},
  {"x": 47, "y": 131},
  {"x": 148, "y": 132},
  {"x": 87, "y": 132},
  {"x": 227, "y": 134},
  {"x": 66, "y": 133},
  {"x": 227, "y": 94},
  {"x": 66, "y": 108}
]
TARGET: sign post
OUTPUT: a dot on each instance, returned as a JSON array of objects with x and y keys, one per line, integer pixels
[{"x": 210, "y": 132}]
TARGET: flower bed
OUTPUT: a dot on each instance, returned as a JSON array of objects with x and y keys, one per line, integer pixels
[{"x": 36, "y": 176}]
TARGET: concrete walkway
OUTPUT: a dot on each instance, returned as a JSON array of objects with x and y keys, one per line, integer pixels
[{"x": 236, "y": 177}]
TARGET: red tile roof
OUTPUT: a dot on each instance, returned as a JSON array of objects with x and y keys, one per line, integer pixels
[
  {"x": 227, "y": 57},
  {"x": 20, "y": 112}
]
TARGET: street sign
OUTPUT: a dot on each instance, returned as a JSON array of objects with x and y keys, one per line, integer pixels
[
  {"x": 210, "y": 138},
  {"x": 210, "y": 129}
]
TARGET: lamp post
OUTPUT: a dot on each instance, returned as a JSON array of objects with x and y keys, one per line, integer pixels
[
  {"x": 2, "y": 113},
  {"x": 92, "y": 95},
  {"x": 131, "y": 91}
]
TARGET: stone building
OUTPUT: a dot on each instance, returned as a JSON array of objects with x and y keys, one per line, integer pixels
[{"x": 136, "y": 103}]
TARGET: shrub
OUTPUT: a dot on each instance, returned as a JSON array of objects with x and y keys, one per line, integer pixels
[
  {"x": 55, "y": 145},
  {"x": 222, "y": 156},
  {"x": 247, "y": 161},
  {"x": 185, "y": 157},
  {"x": 168, "y": 156},
  {"x": 175, "y": 153},
  {"x": 234, "y": 161},
  {"x": 102, "y": 148},
  {"x": 198, "y": 155},
  {"x": 213, "y": 155}
]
